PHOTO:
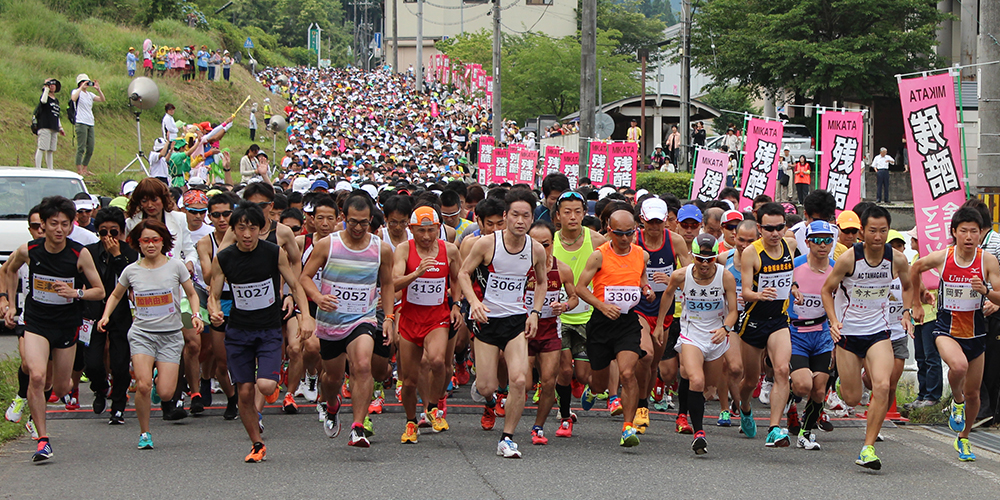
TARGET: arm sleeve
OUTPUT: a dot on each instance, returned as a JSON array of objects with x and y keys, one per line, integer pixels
[{"x": 45, "y": 95}]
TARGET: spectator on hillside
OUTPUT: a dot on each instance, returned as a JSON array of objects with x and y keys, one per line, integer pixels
[
  {"x": 202, "y": 56},
  {"x": 168, "y": 124},
  {"x": 249, "y": 163},
  {"x": 158, "y": 160},
  {"x": 253, "y": 122},
  {"x": 227, "y": 63},
  {"x": 49, "y": 126},
  {"x": 130, "y": 61},
  {"x": 85, "y": 100},
  {"x": 214, "y": 60}
]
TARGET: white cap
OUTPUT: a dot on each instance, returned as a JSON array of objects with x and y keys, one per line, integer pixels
[
  {"x": 368, "y": 188},
  {"x": 301, "y": 185},
  {"x": 344, "y": 186},
  {"x": 654, "y": 208},
  {"x": 84, "y": 204},
  {"x": 289, "y": 148},
  {"x": 128, "y": 187},
  {"x": 640, "y": 193},
  {"x": 604, "y": 191}
]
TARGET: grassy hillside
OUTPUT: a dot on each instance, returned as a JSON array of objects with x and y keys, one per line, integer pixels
[{"x": 39, "y": 43}]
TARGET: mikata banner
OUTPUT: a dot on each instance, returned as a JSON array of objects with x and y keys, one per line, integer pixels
[
  {"x": 760, "y": 159},
  {"x": 514, "y": 163},
  {"x": 570, "y": 165},
  {"x": 709, "y": 174},
  {"x": 553, "y": 158},
  {"x": 934, "y": 146},
  {"x": 840, "y": 167},
  {"x": 500, "y": 158},
  {"x": 622, "y": 163},
  {"x": 598, "y": 163},
  {"x": 529, "y": 162},
  {"x": 486, "y": 157}
]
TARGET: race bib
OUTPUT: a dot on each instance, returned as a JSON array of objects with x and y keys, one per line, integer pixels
[
  {"x": 625, "y": 297},
  {"x": 44, "y": 289},
  {"x": 85, "y": 331},
  {"x": 154, "y": 303},
  {"x": 658, "y": 287},
  {"x": 352, "y": 298},
  {"x": 811, "y": 308},
  {"x": 740, "y": 303},
  {"x": 501, "y": 289},
  {"x": 253, "y": 296},
  {"x": 781, "y": 282},
  {"x": 869, "y": 296},
  {"x": 704, "y": 309},
  {"x": 426, "y": 292},
  {"x": 550, "y": 297},
  {"x": 960, "y": 297}
]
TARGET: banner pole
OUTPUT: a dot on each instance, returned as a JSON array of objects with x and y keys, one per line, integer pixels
[
  {"x": 741, "y": 153},
  {"x": 694, "y": 171},
  {"x": 961, "y": 121},
  {"x": 818, "y": 152}
]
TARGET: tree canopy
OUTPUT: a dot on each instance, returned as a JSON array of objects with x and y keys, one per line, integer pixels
[{"x": 824, "y": 49}]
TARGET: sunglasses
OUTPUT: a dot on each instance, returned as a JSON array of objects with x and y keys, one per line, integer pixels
[
  {"x": 630, "y": 232},
  {"x": 731, "y": 227},
  {"x": 105, "y": 232},
  {"x": 216, "y": 215},
  {"x": 35, "y": 226},
  {"x": 850, "y": 231},
  {"x": 571, "y": 194},
  {"x": 690, "y": 225},
  {"x": 773, "y": 229},
  {"x": 705, "y": 259},
  {"x": 825, "y": 240},
  {"x": 154, "y": 239},
  {"x": 197, "y": 210},
  {"x": 264, "y": 204},
  {"x": 82, "y": 210},
  {"x": 295, "y": 229}
]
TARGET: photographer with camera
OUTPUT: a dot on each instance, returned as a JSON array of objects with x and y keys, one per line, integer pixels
[
  {"x": 85, "y": 119},
  {"x": 47, "y": 122}
]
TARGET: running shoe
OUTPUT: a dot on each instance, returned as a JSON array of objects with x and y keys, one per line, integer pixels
[
  {"x": 794, "y": 425},
  {"x": 507, "y": 448},
  {"x": 538, "y": 390},
  {"x": 345, "y": 388},
  {"x": 538, "y": 436},
  {"x": 868, "y": 459},
  {"x": 725, "y": 419},
  {"x": 72, "y": 400},
  {"x": 311, "y": 392},
  {"x": 462, "y": 373},
  {"x": 824, "y": 422},
  {"x": 964, "y": 449},
  {"x": 565, "y": 429},
  {"x": 439, "y": 424},
  {"x": 956, "y": 416},
  {"x": 501, "y": 405},
  {"x": 756, "y": 390},
  {"x": 777, "y": 438},
  {"x": 15, "y": 409},
  {"x": 197, "y": 404},
  {"x": 399, "y": 391},
  {"x": 663, "y": 404},
  {"x": 641, "y": 420},
  {"x": 747, "y": 425},
  {"x": 31, "y": 428},
  {"x": 866, "y": 398},
  {"x": 659, "y": 391},
  {"x": 836, "y": 406},
  {"x": 587, "y": 399},
  {"x": 321, "y": 409},
  {"x": 100, "y": 403},
  {"x": 765, "y": 392},
  {"x": 377, "y": 403},
  {"x": 368, "y": 426},
  {"x": 331, "y": 425},
  {"x": 410, "y": 434},
  {"x": 44, "y": 451},
  {"x": 145, "y": 441},
  {"x": 879, "y": 438},
  {"x": 683, "y": 427},
  {"x": 260, "y": 422},
  {"x": 443, "y": 405},
  {"x": 629, "y": 437},
  {"x": 423, "y": 422},
  {"x": 807, "y": 440},
  {"x": 257, "y": 454},
  {"x": 615, "y": 406},
  {"x": 452, "y": 385},
  {"x": 232, "y": 410},
  {"x": 117, "y": 418},
  {"x": 474, "y": 393},
  {"x": 700, "y": 444},
  {"x": 53, "y": 398},
  {"x": 489, "y": 419},
  {"x": 358, "y": 438},
  {"x": 288, "y": 405},
  {"x": 577, "y": 388}
]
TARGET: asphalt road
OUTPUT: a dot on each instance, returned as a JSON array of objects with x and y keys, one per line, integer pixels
[{"x": 203, "y": 457}]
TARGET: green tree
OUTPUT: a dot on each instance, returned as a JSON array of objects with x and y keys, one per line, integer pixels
[
  {"x": 636, "y": 30},
  {"x": 731, "y": 98},
  {"x": 825, "y": 49}
]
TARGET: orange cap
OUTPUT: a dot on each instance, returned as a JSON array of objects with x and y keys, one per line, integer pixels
[
  {"x": 848, "y": 219},
  {"x": 424, "y": 216}
]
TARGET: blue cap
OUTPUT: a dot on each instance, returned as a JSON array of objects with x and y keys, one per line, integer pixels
[
  {"x": 819, "y": 227},
  {"x": 320, "y": 184},
  {"x": 688, "y": 212}
]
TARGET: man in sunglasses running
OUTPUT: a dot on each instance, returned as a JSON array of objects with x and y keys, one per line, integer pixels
[{"x": 764, "y": 321}]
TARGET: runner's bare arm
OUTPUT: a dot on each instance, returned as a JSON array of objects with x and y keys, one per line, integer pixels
[
  {"x": 933, "y": 260},
  {"x": 597, "y": 239},
  {"x": 454, "y": 266},
  {"x": 317, "y": 259},
  {"x": 477, "y": 255},
  {"x": 749, "y": 263},
  {"x": 594, "y": 263},
  {"x": 991, "y": 271},
  {"x": 204, "y": 249},
  {"x": 286, "y": 238},
  {"x": 193, "y": 299},
  {"x": 215, "y": 314},
  {"x": 399, "y": 279},
  {"x": 113, "y": 299},
  {"x": 85, "y": 264},
  {"x": 306, "y": 323},
  {"x": 902, "y": 269},
  {"x": 14, "y": 262},
  {"x": 729, "y": 285},
  {"x": 572, "y": 299},
  {"x": 388, "y": 297},
  {"x": 844, "y": 265},
  {"x": 450, "y": 234},
  {"x": 538, "y": 259}
]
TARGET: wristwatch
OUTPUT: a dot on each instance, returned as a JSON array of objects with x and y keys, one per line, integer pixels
[
  {"x": 79, "y": 294},
  {"x": 729, "y": 329},
  {"x": 539, "y": 313}
]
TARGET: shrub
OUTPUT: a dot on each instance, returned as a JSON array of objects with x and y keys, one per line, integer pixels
[{"x": 678, "y": 184}]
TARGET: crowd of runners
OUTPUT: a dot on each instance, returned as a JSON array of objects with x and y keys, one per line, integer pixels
[{"x": 374, "y": 275}]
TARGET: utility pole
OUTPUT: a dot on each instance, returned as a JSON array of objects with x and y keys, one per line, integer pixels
[
  {"x": 395, "y": 38},
  {"x": 418, "y": 67},
  {"x": 989, "y": 98},
  {"x": 497, "y": 38},
  {"x": 643, "y": 56},
  {"x": 685, "y": 122},
  {"x": 588, "y": 82}
]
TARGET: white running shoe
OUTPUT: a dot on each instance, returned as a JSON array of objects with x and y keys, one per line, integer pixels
[
  {"x": 808, "y": 442},
  {"x": 299, "y": 391},
  {"x": 765, "y": 392},
  {"x": 311, "y": 390},
  {"x": 15, "y": 409},
  {"x": 331, "y": 426},
  {"x": 507, "y": 448},
  {"x": 321, "y": 409},
  {"x": 866, "y": 398},
  {"x": 474, "y": 393}
]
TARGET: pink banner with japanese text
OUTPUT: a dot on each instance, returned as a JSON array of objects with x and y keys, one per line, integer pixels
[
  {"x": 486, "y": 157},
  {"x": 553, "y": 158},
  {"x": 760, "y": 160},
  {"x": 513, "y": 163},
  {"x": 935, "y": 156},
  {"x": 840, "y": 167},
  {"x": 529, "y": 162},
  {"x": 623, "y": 159},
  {"x": 709, "y": 174},
  {"x": 598, "y": 163},
  {"x": 570, "y": 165},
  {"x": 489, "y": 92},
  {"x": 500, "y": 158}
]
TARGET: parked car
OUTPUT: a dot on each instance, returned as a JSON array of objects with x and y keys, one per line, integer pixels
[
  {"x": 799, "y": 139},
  {"x": 22, "y": 188}
]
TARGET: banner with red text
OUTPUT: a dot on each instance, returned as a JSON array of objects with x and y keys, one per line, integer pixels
[
  {"x": 760, "y": 159},
  {"x": 598, "y": 163},
  {"x": 553, "y": 158},
  {"x": 709, "y": 174},
  {"x": 840, "y": 167},
  {"x": 570, "y": 165},
  {"x": 486, "y": 157},
  {"x": 933, "y": 144},
  {"x": 529, "y": 162},
  {"x": 513, "y": 163},
  {"x": 623, "y": 160},
  {"x": 500, "y": 159}
]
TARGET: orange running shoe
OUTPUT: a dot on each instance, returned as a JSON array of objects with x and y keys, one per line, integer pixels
[
  {"x": 489, "y": 418},
  {"x": 501, "y": 402},
  {"x": 257, "y": 454},
  {"x": 272, "y": 398},
  {"x": 288, "y": 405},
  {"x": 683, "y": 427}
]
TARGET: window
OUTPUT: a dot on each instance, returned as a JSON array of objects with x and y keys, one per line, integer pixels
[{"x": 539, "y": 2}]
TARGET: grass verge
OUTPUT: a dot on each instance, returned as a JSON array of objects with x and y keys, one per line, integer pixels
[{"x": 8, "y": 388}]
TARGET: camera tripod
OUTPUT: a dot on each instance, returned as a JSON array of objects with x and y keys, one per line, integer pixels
[{"x": 139, "y": 157}]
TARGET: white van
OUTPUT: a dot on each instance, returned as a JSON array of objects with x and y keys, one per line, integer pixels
[{"x": 22, "y": 188}]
